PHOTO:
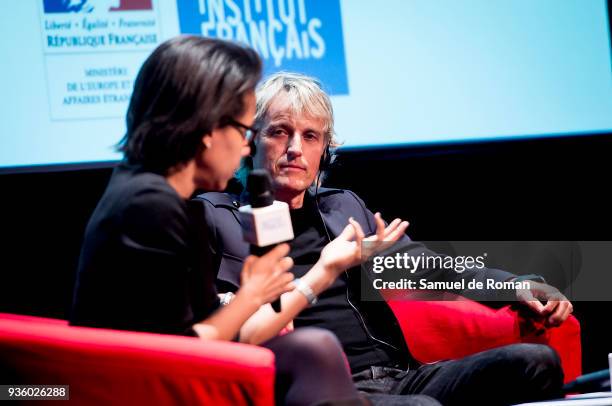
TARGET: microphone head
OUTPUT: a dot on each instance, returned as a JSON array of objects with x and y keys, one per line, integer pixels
[{"x": 259, "y": 187}]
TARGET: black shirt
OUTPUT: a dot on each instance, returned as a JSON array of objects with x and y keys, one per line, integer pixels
[
  {"x": 138, "y": 269},
  {"x": 337, "y": 309}
]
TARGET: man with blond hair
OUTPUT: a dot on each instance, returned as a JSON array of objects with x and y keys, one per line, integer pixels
[{"x": 295, "y": 143}]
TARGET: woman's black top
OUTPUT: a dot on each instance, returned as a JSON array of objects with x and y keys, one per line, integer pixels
[{"x": 140, "y": 267}]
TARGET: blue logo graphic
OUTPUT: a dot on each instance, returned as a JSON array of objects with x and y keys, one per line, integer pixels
[
  {"x": 292, "y": 35},
  {"x": 95, "y": 6}
]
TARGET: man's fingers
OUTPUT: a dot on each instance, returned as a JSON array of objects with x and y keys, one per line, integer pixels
[
  {"x": 554, "y": 298},
  {"x": 561, "y": 314},
  {"x": 398, "y": 232},
  {"x": 348, "y": 233},
  {"x": 557, "y": 308},
  {"x": 380, "y": 226},
  {"x": 568, "y": 310},
  {"x": 550, "y": 306},
  {"x": 359, "y": 234},
  {"x": 556, "y": 318},
  {"x": 526, "y": 297},
  {"x": 392, "y": 227},
  {"x": 535, "y": 305}
]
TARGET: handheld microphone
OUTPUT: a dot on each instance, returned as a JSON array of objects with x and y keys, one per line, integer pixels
[{"x": 265, "y": 221}]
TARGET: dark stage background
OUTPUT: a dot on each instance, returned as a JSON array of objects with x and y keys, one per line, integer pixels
[{"x": 532, "y": 189}]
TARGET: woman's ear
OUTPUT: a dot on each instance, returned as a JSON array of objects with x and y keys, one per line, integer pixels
[{"x": 207, "y": 141}]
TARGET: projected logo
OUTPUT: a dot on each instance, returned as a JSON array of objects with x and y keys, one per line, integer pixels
[
  {"x": 95, "y": 6},
  {"x": 93, "y": 50},
  {"x": 295, "y": 35}
]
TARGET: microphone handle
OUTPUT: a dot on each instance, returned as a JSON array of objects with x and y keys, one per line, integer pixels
[{"x": 259, "y": 251}]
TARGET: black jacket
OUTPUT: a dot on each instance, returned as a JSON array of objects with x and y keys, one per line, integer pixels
[{"x": 336, "y": 206}]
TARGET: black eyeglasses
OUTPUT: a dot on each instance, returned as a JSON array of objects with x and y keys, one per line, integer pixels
[{"x": 249, "y": 132}]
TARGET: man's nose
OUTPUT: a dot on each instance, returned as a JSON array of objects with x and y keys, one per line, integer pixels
[{"x": 294, "y": 147}]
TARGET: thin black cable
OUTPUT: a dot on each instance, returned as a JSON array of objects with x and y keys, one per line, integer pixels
[{"x": 361, "y": 319}]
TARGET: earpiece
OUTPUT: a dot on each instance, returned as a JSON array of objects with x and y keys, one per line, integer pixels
[{"x": 325, "y": 159}]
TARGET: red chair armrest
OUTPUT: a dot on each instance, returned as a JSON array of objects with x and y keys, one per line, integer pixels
[{"x": 119, "y": 367}]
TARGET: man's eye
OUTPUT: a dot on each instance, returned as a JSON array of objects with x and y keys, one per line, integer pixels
[
  {"x": 279, "y": 132},
  {"x": 311, "y": 136}
]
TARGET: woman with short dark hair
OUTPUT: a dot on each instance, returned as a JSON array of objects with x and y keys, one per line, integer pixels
[{"x": 141, "y": 267}]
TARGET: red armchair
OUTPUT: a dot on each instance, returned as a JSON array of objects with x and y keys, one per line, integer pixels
[
  {"x": 106, "y": 367},
  {"x": 116, "y": 367},
  {"x": 437, "y": 330}
]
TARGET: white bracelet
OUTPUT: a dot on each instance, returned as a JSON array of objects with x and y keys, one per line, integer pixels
[
  {"x": 228, "y": 297},
  {"x": 305, "y": 290}
]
